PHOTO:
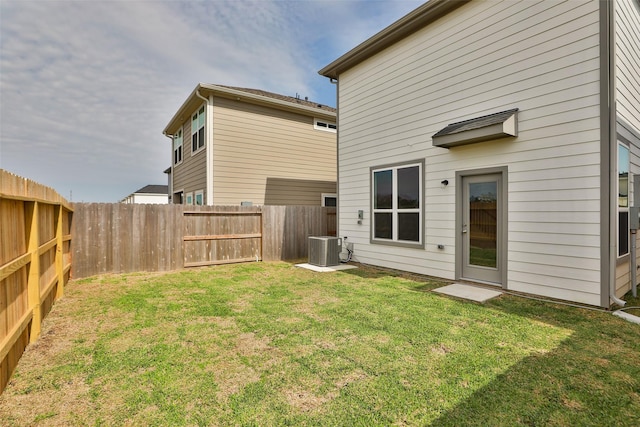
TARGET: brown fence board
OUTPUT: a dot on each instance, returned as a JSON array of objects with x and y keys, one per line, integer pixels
[
  {"x": 35, "y": 259},
  {"x": 221, "y": 234}
]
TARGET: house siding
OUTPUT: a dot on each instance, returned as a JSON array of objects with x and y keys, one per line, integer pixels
[
  {"x": 190, "y": 175},
  {"x": 627, "y": 69},
  {"x": 269, "y": 156},
  {"x": 541, "y": 57},
  {"x": 627, "y": 55}
]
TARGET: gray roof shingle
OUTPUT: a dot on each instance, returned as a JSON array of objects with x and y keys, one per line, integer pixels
[
  {"x": 290, "y": 99},
  {"x": 154, "y": 189},
  {"x": 476, "y": 123}
]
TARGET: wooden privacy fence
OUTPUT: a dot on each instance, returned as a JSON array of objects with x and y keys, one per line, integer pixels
[
  {"x": 121, "y": 238},
  {"x": 35, "y": 259}
]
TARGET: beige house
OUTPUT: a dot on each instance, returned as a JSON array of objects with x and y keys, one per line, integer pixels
[
  {"x": 496, "y": 142},
  {"x": 233, "y": 146}
]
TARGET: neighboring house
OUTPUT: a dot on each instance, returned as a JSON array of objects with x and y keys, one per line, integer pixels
[
  {"x": 494, "y": 141},
  {"x": 235, "y": 146},
  {"x": 152, "y": 194}
]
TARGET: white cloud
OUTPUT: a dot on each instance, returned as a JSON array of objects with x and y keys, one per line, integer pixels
[{"x": 87, "y": 87}]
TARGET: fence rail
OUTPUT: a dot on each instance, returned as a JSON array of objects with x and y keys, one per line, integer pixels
[{"x": 35, "y": 262}]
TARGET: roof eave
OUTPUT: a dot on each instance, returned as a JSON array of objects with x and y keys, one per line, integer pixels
[
  {"x": 409, "y": 24},
  {"x": 177, "y": 117},
  {"x": 260, "y": 99},
  {"x": 204, "y": 89}
]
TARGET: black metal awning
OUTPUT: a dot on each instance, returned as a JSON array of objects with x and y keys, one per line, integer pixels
[{"x": 492, "y": 126}]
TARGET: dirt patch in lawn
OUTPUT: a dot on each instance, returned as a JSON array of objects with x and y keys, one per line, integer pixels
[{"x": 27, "y": 399}]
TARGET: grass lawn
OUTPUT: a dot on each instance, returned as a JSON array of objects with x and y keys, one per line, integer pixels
[{"x": 268, "y": 344}]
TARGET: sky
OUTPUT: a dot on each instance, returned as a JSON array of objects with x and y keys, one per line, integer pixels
[{"x": 86, "y": 87}]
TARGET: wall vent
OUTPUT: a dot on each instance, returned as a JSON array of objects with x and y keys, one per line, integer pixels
[{"x": 324, "y": 251}]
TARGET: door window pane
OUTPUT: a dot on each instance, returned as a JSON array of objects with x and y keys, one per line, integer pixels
[{"x": 483, "y": 223}]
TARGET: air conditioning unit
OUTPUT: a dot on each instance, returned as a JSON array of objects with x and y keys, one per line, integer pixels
[{"x": 324, "y": 251}]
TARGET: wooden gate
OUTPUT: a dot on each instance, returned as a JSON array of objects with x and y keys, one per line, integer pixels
[{"x": 227, "y": 234}]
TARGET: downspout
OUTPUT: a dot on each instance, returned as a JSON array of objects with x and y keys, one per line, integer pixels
[
  {"x": 613, "y": 146},
  {"x": 171, "y": 189},
  {"x": 209, "y": 148},
  {"x": 632, "y": 260},
  {"x": 335, "y": 82}
]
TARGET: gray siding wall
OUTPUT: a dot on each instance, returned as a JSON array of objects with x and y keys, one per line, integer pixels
[
  {"x": 487, "y": 56},
  {"x": 190, "y": 175},
  {"x": 269, "y": 156},
  {"x": 627, "y": 13}
]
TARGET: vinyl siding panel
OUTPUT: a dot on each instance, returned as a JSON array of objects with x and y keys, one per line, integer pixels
[
  {"x": 539, "y": 56},
  {"x": 627, "y": 23},
  {"x": 269, "y": 156},
  {"x": 191, "y": 174}
]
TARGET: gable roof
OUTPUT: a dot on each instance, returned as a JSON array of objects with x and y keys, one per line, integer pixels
[
  {"x": 405, "y": 26},
  {"x": 153, "y": 189},
  {"x": 252, "y": 96}
]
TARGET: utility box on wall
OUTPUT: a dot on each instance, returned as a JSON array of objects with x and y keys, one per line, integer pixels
[
  {"x": 324, "y": 251},
  {"x": 634, "y": 217}
]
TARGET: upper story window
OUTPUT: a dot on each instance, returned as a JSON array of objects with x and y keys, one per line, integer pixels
[
  {"x": 197, "y": 130},
  {"x": 325, "y": 125},
  {"x": 177, "y": 147},
  {"x": 397, "y": 204}
]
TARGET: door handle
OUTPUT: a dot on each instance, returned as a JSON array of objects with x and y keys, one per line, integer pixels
[{"x": 464, "y": 229}]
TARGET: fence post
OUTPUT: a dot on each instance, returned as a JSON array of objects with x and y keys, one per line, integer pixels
[
  {"x": 59, "y": 252},
  {"x": 33, "y": 281}
]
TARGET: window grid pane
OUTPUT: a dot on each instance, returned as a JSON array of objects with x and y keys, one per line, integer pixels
[
  {"x": 409, "y": 227},
  {"x": 383, "y": 226},
  {"x": 383, "y": 189},
  {"x": 409, "y": 188},
  {"x": 623, "y": 200}
]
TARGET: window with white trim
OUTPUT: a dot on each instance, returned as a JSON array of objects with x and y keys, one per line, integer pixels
[
  {"x": 197, "y": 130},
  {"x": 623, "y": 200},
  {"x": 329, "y": 199},
  {"x": 177, "y": 147},
  {"x": 320, "y": 124},
  {"x": 397, "y": 203},
  {"x": 199, "y": 198},
  {"x": 188, "y": 199}
]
